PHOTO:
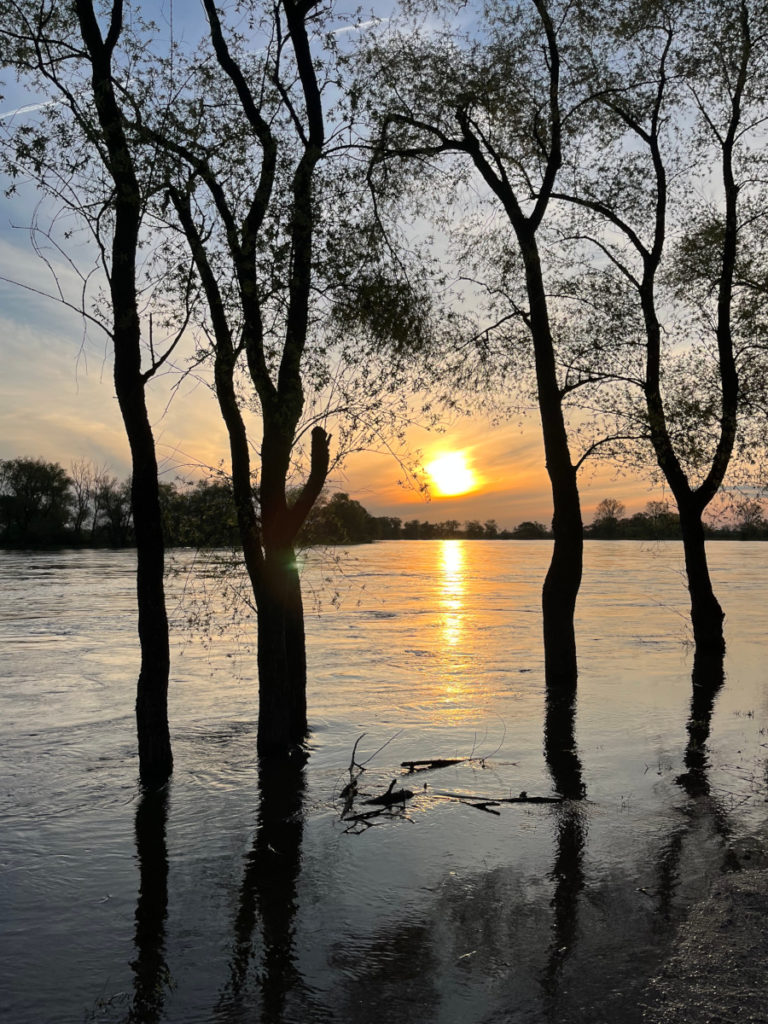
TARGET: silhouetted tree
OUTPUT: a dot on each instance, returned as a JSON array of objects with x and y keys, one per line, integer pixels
[
  {"x": 36, "y": 502},
  {"x": 201, "y": 516},
  {"x": 494, "y": 103},
  {"x": 679, "y": 87},
  {"x": 260, "y": 217},
  {"x": 491, "y": 529},
  {"x": 389, "y": 527},
  {"x": 82, "y": 477},
  {"x": 750, "y": 518},
  {"x": 339, "y": 520},
  {"x": 530, "y": 531},
  {"x": 115, "y": 516},
  {"x": 473, "y": 529},
  {"x": 81, "y": 155}
]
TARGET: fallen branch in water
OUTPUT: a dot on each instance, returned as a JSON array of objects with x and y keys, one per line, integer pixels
[
  {"x": 522, "y": 799},
  {"x": 392, "y": 796},
  {"x": 391, "y": 804},
  {"x": 430, "y": 763},
  {"x": 436, "y": 762},
  {"x": 487, "y": 806},
  {"x": 350, "y": 791}
]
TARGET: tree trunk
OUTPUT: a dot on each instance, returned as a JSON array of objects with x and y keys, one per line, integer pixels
[
  {"x": 155, "y": 756},
  {"x": 297, "y": 654},
  {"x": 706, "y": 614},
  {"x": 561, "y": 586},
  {"x": 281, "y": 656}
]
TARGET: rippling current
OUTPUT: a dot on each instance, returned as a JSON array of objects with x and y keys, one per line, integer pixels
[{"x": 240, "y": 895}]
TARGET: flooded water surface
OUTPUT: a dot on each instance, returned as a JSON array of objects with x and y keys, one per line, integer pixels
[{"x": 240, "y": 894}]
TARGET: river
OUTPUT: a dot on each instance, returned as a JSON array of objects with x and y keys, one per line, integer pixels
[{"x": 236, "y": 895}]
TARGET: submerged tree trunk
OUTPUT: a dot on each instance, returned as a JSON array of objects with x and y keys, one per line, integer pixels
[
  {"x": 561, "y": 586},
  {"x": 281, "y": 656},
  {"x": 281, "y": 640},
  {"x": 706, "y": 614},
  {"x": 562, "y": 583},
  {"x": 155, "y": 757}
]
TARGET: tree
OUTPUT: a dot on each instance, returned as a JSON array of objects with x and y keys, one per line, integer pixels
[
  {"x": 495, "y": 105},
  {"x": 750, "y": 518},
  {"x": 678, "y": 113},
  {"x": 36, "y": 502},
  {"x": 529, "y": 530},
  {"x": 491, "y": 529},
  {"x": 473, "y": 529},
  {"x": 201, "y": 516},
  {"x": 82, "y": 477},
  {"x": 115, "y": 516},
  {"x": 81, "y": 155},
  {"x": 609, "y": 509},
  {"x": 339, "y": 520},
  {"x": 606, "y": 518},
  {"x": 390, "y": 527},
  {"x": 259, "y": 217},
  {"x": 660, "y": 520}
]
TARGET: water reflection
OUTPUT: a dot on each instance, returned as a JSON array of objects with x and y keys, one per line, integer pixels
[
  {"x": 268, "y": 897},
  {"x": 560, "y": 743},
  {"x": 707, "y": 813},
  {"x": 708, "y": 678},
  {"x": 150, "y": 970},
  {"x": 452, "y": 590},
  {"x": 570, "y": 839}
]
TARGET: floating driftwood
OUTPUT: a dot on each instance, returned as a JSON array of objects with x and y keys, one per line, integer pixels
[
  {"x": 487, "y": 806},
  {"x": 434, "y": 762},
  {"x": 477, "y": 801},
  {"x": 392, "y": 803}
]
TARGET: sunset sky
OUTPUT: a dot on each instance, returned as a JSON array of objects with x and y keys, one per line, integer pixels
[{"x": 57, "y": 401}]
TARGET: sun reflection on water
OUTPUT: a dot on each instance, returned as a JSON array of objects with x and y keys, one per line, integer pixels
[{"x": 453, "y": 586}]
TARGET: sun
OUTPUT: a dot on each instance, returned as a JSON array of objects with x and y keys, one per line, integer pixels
[{"x": 452, "y": 475}]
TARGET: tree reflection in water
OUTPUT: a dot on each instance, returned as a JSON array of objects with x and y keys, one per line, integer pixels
[
  {"x": 568, "y": 870},
  {"x": 268, "y": 895},
  {"x": 708, "y": 678},
  {"x": 150, "y": 970}
]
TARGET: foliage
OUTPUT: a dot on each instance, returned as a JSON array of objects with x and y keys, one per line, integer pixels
[
  {"x": 36, "y": 502},
  {"x": 338, "y": 520}
]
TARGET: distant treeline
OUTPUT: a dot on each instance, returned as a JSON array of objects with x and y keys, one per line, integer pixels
[
  {"x": 658, "y": 522},
  {"x": 42, "y": 505}
]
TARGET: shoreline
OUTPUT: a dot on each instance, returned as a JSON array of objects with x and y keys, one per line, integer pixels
[{"x": 718, "y": 972}]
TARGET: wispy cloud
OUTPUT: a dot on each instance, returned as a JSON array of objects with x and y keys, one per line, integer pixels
[
  {"x": 359, "y": 26},
  {"x": 29, "y": 108}
]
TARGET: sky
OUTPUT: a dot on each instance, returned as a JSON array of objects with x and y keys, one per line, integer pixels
[{"x": 57, "y": 402}]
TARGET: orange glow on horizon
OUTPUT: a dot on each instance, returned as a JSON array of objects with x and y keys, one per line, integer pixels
[{"x": 452, "y": 475}]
